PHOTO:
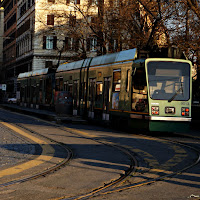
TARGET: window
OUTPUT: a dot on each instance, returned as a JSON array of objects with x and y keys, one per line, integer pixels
[
  {"x": 23, "y": 9},
  {"x": 59, "y": 84},
  {"x": 113, "y": 45},
  {"x": 50, "y": 19},
  {"x": 99, "y": 91},
  {"x": 92, "y": 90},
  {"x": 139, "y": 91},
  {"x": 49, "y": 42},
  {"x": 72, "y": 20},
  {"x": 169, "y": 80},
  {"x": 116, "y": 80},
  {"x": 29, "y": 3},
  {"x": 75, "y": 95},
  {"x": 65, "y": 86},
  {"x": 91, "y": 44},
  {"x": 71, "y": 43}
]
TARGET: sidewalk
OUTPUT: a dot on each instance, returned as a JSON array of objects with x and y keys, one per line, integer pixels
[{"x": 43, "y": 114}]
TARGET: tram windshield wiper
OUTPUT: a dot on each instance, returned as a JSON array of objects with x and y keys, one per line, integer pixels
[{"x": 176, "y": 93}]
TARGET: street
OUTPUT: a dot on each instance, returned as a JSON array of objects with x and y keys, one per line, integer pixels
[{"x": 101, "y": 163}]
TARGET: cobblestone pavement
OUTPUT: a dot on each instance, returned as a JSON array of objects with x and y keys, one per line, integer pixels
[{"x": 13, "y": 149}]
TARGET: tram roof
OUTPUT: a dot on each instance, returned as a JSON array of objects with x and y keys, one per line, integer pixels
[
  {"x": 121, "y": 56},
  {"x": 33, "y": 73}
]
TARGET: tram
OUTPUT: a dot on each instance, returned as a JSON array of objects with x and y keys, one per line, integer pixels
[
  {"x": 37, "y": 88},
  {"x": 125, "y": 90}
]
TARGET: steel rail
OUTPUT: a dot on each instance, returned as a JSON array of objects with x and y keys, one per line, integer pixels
[
  {"x": 45, "y": 172},
  {"x": 132, "y": 166},
  {"x": 131, "y": 169},
  {"x": 101, "y": 191},
  {"x": 153, "y": 180}
]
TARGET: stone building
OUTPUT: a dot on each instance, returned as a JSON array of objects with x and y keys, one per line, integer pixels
[
  {"x": 1, "y": 36},
  {"x": 9, "y": 44},
  {"x": 35, "y": 36},
  {"x": 42, "y": 34}
]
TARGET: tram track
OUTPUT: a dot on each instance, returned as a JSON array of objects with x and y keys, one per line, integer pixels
[
  {"x": 160, "y": 178},
  {"x": 131, "y": 155},
  {"x": 131, "y": 169},
  {"x": 45, "y": 172},
  {"x": 115, "y": 186}
]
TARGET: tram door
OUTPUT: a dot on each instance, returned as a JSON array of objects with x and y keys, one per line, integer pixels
[
  {"x": 106, "y": 98},
  {"x": 91, "y": 97},
  {"x": 139, "y": 91}
]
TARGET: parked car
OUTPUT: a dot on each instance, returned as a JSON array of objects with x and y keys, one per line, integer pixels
[{"x": 12, "y": 100}]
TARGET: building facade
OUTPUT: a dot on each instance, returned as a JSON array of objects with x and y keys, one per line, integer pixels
[
  {"x": 9, "y": 44},
  {"x": 1, "y": 35},
  {"x": 36, "y": 36},
  {"x": 42, "y": 34}
]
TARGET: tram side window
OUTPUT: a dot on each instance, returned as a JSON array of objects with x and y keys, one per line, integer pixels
[
  {"x": 92, "y": 89},
  {"x": 70, "y": 90},
  {"x": 25, "y": 92},
  {"x": 139, "y": 80},
  {"x": 33, "y": 91},
  {"x": 57, "y": 84},
  {"x": 40, "y": 85},
  {"x": 40, "y": 91},
  {"x": 75, "y": 84},
  {"x": 22, "y": 93},
  {"x": 116, "y": 80},
  {"x": 83, "y": 91},
  {"x": 99, "y": 91},
  {"x": 66, "y": 86},
  {"x": 139, "y": 92},
  {"x": 18, "y": 86},
  {"x": 61, "y": 84}
]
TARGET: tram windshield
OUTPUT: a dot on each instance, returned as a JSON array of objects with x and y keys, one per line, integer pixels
[{"x": 169, "y": 80}]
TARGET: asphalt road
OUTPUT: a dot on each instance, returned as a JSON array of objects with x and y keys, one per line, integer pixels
[{"x": 97, "y": 162}]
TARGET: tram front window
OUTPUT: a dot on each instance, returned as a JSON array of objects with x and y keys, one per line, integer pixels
[{"x": 169, "y": 80}]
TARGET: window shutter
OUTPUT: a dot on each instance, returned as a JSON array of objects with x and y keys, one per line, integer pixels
[
  {"x": 50, "y": 19},
  {"x": 88, "y": 44},
  {"x": 66, "y": 43},
  {"x": 44, "y": 42},
  {"x": 77, "y": 1},
  {"x": 54, "y": 42}
]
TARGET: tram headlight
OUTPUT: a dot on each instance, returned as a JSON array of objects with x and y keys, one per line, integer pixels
[
  {"x": 185, "y": 111},
  {"x": 155, "y": 110}
]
